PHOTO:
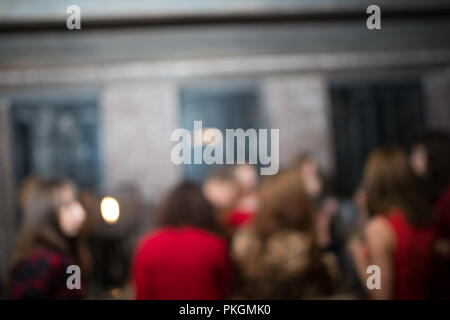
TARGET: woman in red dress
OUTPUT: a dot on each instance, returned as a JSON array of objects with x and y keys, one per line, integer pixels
[
  {"x": 400, "y": 234},
  {"x": 182, "y": 258},
  {"x": 430, "y": 159}
]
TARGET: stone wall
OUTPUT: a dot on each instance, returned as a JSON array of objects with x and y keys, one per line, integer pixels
[
  {"x": 137, "y": 120},
  {"x": 299, "y": 106}
]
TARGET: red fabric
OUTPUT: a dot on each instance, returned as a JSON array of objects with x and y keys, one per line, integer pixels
[
  {"x": 238, "y": 218},
  {"x": 43, "y": 275},
  {"x": 443, "y": 209},
  {"x": 181, "y": 263},
  {"x": 441, "y": 265},
  {"x": 412, "y": 257}
]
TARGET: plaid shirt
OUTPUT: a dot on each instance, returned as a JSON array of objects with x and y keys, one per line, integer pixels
[{"x": 43, "y": 275}]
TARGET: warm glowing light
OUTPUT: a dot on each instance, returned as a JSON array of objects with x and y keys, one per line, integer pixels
[
  {"x": 110, "y": 209},
  {"x": 206, "y": 136}
]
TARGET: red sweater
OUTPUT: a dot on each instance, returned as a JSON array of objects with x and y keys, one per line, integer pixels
[{"x": 181, "y": 263}]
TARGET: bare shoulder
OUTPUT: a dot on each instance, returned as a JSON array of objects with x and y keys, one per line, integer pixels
[{"x": 379, "y": 232}]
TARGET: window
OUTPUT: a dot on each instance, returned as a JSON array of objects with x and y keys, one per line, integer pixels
[
  {"x": 57, "y": 135},
  {"x": 368, "y": 114},
  {"x": 221, "y": 106}
]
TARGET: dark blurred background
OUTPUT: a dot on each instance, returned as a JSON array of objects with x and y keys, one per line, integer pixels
[{"x": 99, "y": 104}]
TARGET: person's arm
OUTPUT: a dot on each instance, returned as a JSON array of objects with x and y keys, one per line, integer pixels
[
  {"x": 357, "y": 249},
  {"x": 375, "y": 250},
  {"x": 323, "y": 221},
  {"x": 380, "y": 243}
]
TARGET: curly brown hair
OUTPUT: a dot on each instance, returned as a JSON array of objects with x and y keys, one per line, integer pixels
[
  {"x": 284, "y": 205},
  {"x": 277, "y": 257}
]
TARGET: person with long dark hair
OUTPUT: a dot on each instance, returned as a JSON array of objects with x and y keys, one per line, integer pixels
[
  {"x": 400, "y": 232},
  {"x": 182, "y": 258},
  {"x": 327, "y": 205},
  {"x": 50, "y": 240},
  {"x": 430, "y": 159}
]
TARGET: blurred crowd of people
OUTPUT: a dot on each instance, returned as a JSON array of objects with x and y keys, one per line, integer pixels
[{"x": 286, "y": 236}]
